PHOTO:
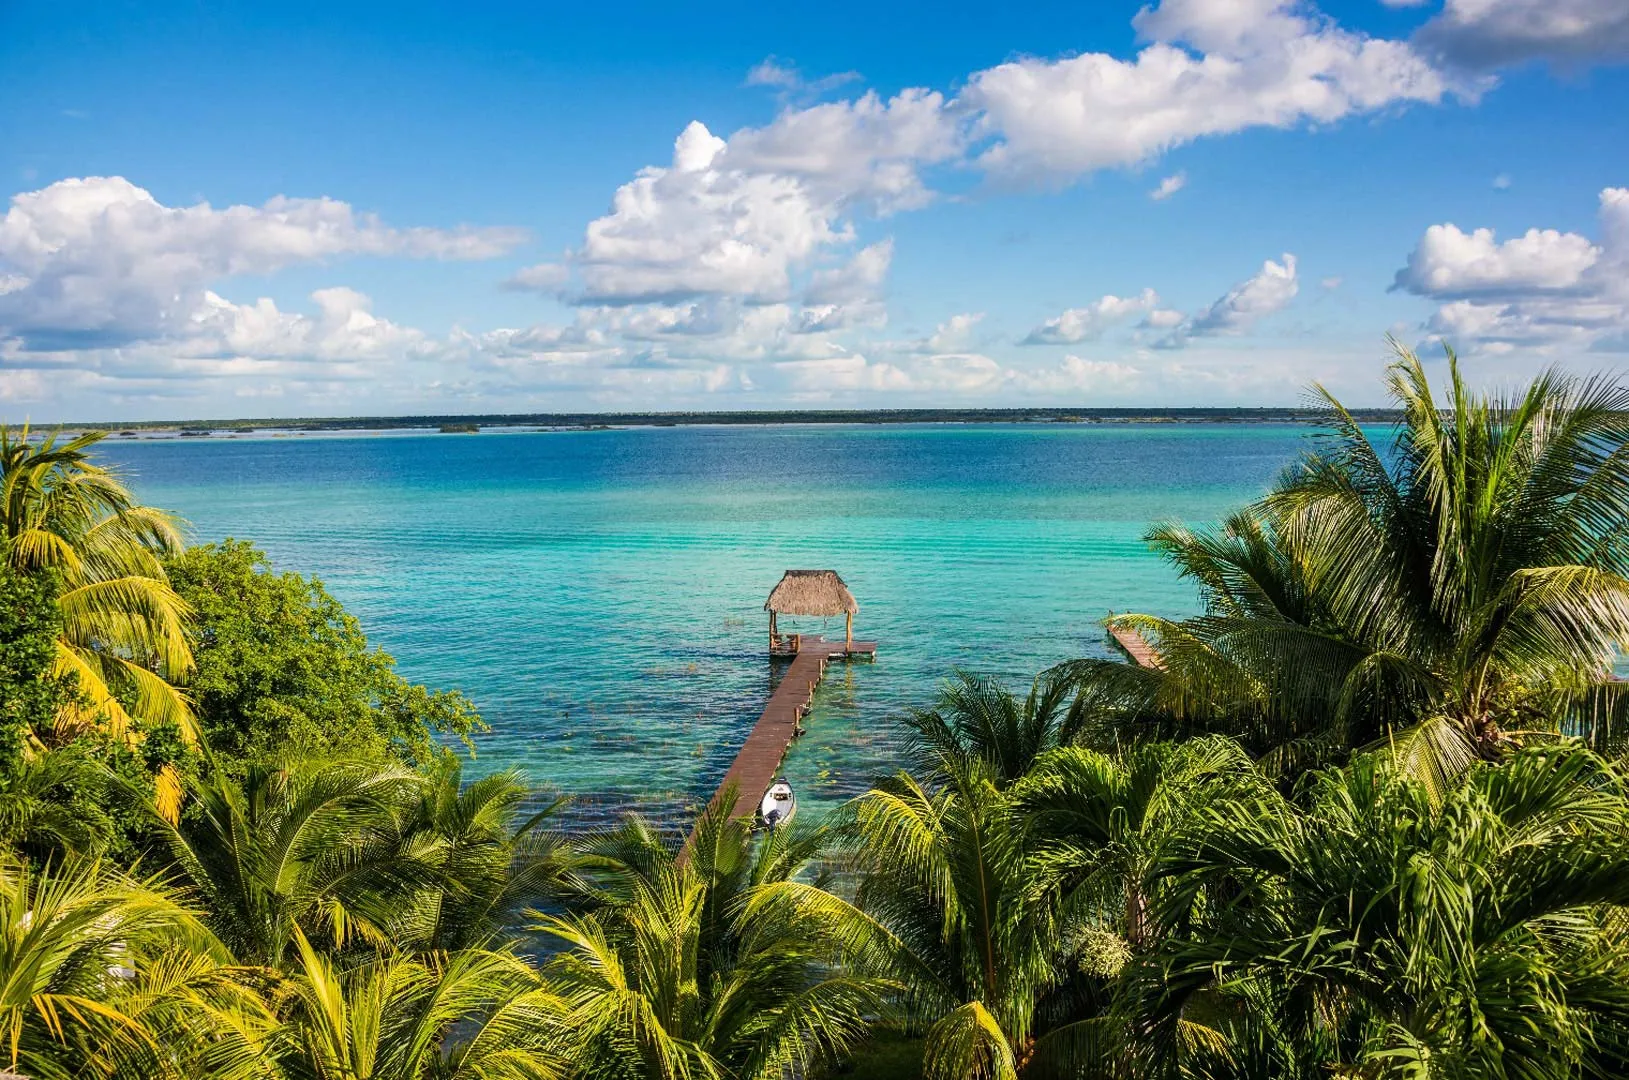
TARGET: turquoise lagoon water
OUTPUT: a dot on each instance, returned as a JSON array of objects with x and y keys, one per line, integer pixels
[{"x": 599, "y": 594}]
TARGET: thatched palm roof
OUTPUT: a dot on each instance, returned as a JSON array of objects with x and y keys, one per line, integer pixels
[{"x": 811, "y": 592}]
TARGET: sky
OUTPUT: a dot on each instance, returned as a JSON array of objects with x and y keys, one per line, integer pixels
[{"x": 335, "y": 209}]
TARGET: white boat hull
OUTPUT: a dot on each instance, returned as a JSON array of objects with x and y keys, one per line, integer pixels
[{"x": 779, "y": 804}]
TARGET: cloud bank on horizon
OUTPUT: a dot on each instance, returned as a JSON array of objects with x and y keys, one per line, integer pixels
[{"x": 753, "y": 269}]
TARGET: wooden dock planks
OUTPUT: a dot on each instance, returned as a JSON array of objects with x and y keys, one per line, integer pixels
[
  {"x": 1135, "y": 645},
  {"x": 759, "y": 759}
]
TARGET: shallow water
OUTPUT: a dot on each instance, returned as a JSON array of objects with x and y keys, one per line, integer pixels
[{"x": 599, "y": 594}]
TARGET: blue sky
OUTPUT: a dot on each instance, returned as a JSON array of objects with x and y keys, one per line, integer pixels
[{"x": 257, "y": 210}]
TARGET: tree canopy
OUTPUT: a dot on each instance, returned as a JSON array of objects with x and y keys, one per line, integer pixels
[{"x": 282, "y": 669}]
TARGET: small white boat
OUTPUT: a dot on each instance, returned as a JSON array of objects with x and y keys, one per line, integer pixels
[{"x": 779, "y": 804}]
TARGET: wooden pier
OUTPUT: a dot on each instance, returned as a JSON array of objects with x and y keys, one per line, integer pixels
[
  {"x": 759, "y": 759},
  {"x": 1135, "y": 645}
]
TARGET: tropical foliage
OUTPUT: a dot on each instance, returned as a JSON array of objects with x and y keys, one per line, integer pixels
[
  {"x": 1450, "y": 591},
  {"x": 1009, "y": 889},
  {"x": 104, "y": 974},
  {"x": 358, "y": 855},
  {"x": 1378, "y": 930},
  {"x": 1364, "y": 818},
  {"x": 697, "y": 964},
  {"x": 282, "y": 668},
  {"x": 123, "y": 629}
]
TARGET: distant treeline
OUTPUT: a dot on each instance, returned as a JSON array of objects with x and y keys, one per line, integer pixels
[{"x": 791, "y": 416}]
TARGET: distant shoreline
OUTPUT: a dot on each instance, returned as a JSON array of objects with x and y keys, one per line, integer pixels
[{"x": 472, "y": 424}]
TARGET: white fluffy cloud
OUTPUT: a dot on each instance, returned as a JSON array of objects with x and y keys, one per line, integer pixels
[
  {"x": 752, "y": 260},
  {"x": 1082, "y": 323},
  {"x": 241, "y": 350},
  {"x": 821, "y": 379},
  {"x": 699, "y": 227},
  {"x": 1486, "y": 34},
  {"x": 1542, "y": 289},
  {"x": 1075, "y": 375},
  {"x": 746, "y": 216},
  {"x": 1269, "y": 291},
  {"x": 753, "y": 215},
  {"x": 859, "y": 279},
  {"x": 1169, "y": 186},
  {"x": 1452, "y": 263},
  {"x": 1212, "y": 67},
  {"x": 343, "y": 329},
  {"x": 954, "y": 334},
  {"x": 100, "y": 261},
  {"x": 864, "y": 152}
]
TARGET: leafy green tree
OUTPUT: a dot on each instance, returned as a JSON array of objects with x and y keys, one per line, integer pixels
[
  {"x": 283, "y": 670},
  {"x": 1380, "y": 930},
  {"x": 678, "y": 971},
  {"x": 31, "y": 692},
  {"x": 1008, "y": 890},
  {"x": 56, "y": 802},
  {"x": 366, "y": 857},
  {"x": 1466, "y": 584}
]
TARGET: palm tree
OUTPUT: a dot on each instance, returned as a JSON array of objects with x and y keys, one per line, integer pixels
[
  {"x": 677, "y": 973},
  {"x": 490, "y": 865},
  {"x": 52, "y": 804},
  {"x": 123, "y": 633},
  {"x": 1467, "y": 583},
  {"x": 1384, "y": 929},
  {"x": 102, "y": 974},
  {"x": 978, "y": 719},
  {"x": 1007, "y": 891},
  {"x": 468, "y": 1015},
  {"x": 321, "y": 848},
  {"x": 1100, "y": 822}
]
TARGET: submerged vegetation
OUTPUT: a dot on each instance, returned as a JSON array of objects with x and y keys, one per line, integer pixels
[{"x": 1367, "y": 816}]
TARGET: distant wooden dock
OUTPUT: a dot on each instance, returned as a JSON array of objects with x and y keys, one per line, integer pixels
[
  {"x": 1135, "y": 645},
  {"x": 759, "y": 759}
]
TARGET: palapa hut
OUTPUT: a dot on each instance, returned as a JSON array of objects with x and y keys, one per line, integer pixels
[{"x": 809, "y": 592}]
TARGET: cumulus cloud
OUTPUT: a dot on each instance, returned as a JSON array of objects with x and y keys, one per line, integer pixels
[
  {"x": 754, "y": 215},
  {"x": 1269, "y": 291},
  {"x": 698, "y": 227},
  {"x": 816, "y": 379},
  {"x": 1543, "y": 289},
  {"x": 1075, "y": 375},
  {"x": 1163, "y": 319},
  {"x": 343, "y": 329},
  {"x": 745, "y": 216},
  {"x": 1080, "y": 324},
  {"x": 954, "y": 333},
  {"x": 752, "y": 259},
  {"x": 865, "y": 153},
  {"x": 241, "y": 349},
  {"x": 1169, "y": 186},
  {"x": 1449, "y": 262},
  {"x": 860, "y": 278},
  {"x": 100, "y": 261},
  {"x": 1486, "y": 34},
  {"x": 1211, "y": 67},
  {"x": 546, "y": 277}
]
